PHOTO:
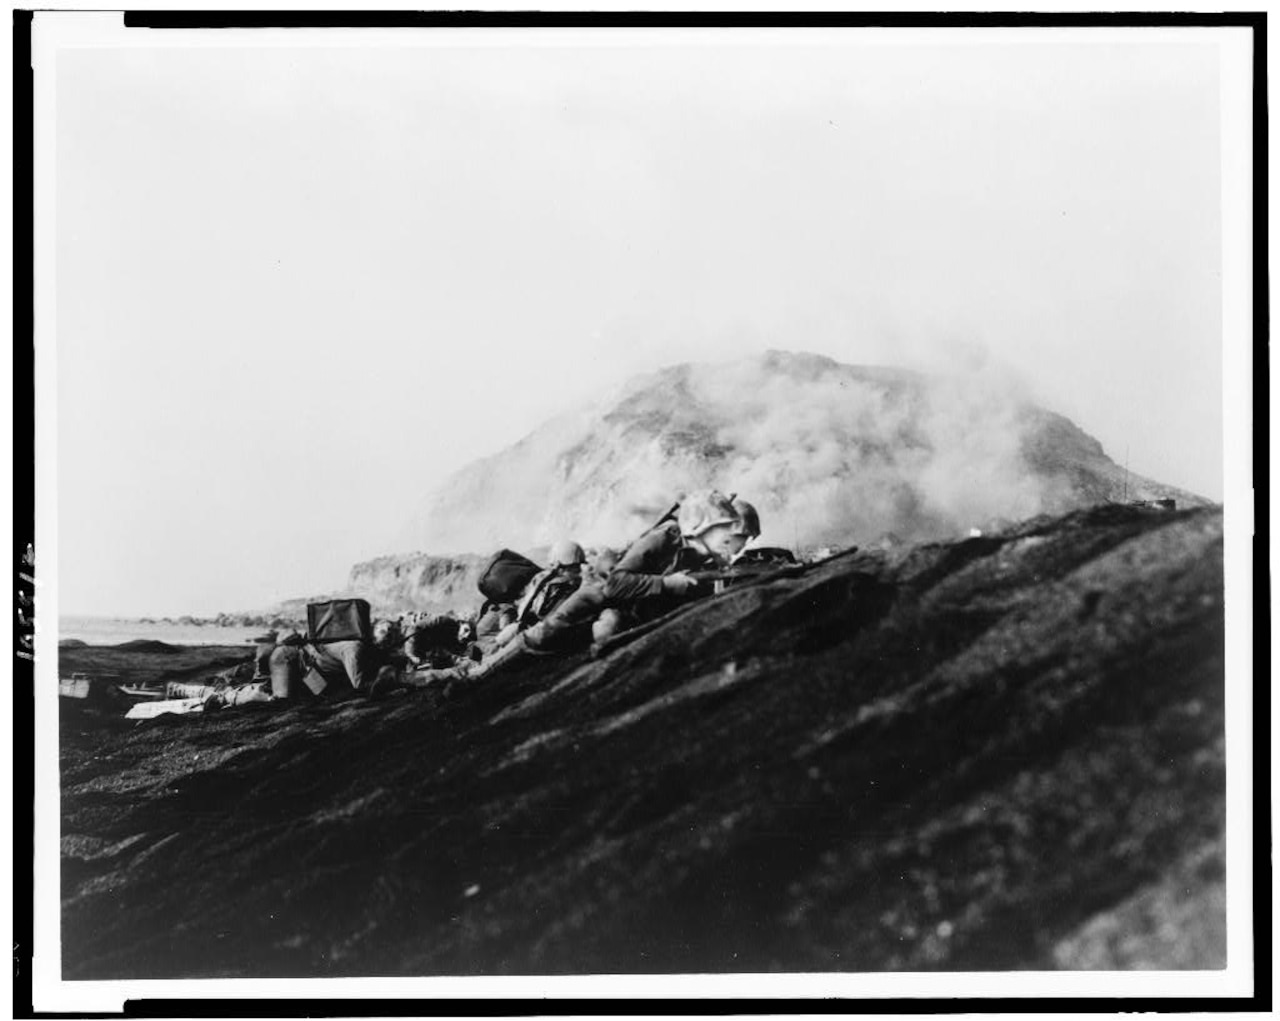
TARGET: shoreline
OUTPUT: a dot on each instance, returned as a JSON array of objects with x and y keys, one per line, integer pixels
[
  {"x": 150, "y": 662},
  {"x": 114, "y": 631}
]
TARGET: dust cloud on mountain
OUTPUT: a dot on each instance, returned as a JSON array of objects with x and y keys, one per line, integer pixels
[{"x": 831, "y": 454}]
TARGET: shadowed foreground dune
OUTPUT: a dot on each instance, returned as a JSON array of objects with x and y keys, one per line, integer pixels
[{"x": 1003, "y": 752}]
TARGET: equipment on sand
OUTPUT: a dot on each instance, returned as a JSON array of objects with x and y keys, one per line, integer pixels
[
  {"x": 339, "y": 620},
  {"x": 87, "y": 690},
  {"x": 136, "y": 692},
  {"x": 148, "y": 710},
  {"x": 75, "y": 686},
  {"x": 315, "y": 681}
]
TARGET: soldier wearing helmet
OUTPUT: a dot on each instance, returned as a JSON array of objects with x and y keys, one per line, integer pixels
[
  {"x": 549, "y": 587},
  {"x": 566, "y": 553},
  {"x": 435, "y": 640},
  {"x": 652, "y": 577},
  {"x": 701, "y": 538}
]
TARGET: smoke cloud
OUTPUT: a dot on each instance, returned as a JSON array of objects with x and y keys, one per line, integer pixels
[{"x": 829, "y": 453}]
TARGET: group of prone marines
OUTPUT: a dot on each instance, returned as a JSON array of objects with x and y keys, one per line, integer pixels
[{"x": 609, "y": 593}]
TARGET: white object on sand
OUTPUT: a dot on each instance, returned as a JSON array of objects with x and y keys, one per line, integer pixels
[{"x": 146, "y": 710}]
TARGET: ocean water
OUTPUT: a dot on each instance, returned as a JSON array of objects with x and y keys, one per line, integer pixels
[{"x": 115, "y": 630}]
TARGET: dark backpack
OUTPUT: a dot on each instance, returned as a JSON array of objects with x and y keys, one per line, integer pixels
[
  {"x": 505, "y": 576},
  {"x": 339, "y": 620}
]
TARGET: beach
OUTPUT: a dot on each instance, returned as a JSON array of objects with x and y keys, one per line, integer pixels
[
  {"x": 1001, "y": 753},
  {"x": 148, "y": 663}
]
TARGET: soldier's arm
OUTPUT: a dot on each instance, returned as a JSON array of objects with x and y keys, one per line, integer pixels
[{"x": 638, "y": 575}]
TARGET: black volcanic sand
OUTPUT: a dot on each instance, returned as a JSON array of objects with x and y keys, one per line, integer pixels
[{"x": 1004, "y": 752}]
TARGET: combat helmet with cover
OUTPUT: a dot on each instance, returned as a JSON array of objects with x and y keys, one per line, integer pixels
[
  {"x": 703, "y": 510},
  {"x": 566, "y": 553}
]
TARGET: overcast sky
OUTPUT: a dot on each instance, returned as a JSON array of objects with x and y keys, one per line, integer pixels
[{"x": 295, "y": 287}]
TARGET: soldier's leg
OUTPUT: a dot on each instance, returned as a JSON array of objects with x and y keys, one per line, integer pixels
[
  {"x": 572, "y": 616},
  {"x": 331, "y": 670},
  {"x": 358, "y": 661},
  {"x": 549, "y": 635}
]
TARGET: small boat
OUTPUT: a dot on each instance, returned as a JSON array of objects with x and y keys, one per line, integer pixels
[{"x": 134, "y": 691}]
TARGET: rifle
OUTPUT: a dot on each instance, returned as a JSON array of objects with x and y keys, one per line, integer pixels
[
  {"x": 746, "y": 572},
  {"x": 669, "y": 516}
]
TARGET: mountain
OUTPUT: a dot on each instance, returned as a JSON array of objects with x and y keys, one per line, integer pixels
[
  {"x": 997, "y": 753},
  {"x": 831, "y": 454}
]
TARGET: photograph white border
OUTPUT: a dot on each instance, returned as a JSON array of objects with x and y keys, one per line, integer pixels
[{"x": 53, "y": 34}]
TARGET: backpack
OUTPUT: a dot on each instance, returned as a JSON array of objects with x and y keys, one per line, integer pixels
[
  {"x": 339, "y": 620},
  {"x": 547, "y": 591},
  {"x": 505, "y": 576}
]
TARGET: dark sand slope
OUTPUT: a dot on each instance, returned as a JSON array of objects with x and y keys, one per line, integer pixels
[{"x": 1005, "y": 752}]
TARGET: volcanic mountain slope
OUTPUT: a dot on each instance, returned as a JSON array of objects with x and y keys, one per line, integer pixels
[
  {"x": 1002, "y": 752},
  {"x": 831, "y": 454}
]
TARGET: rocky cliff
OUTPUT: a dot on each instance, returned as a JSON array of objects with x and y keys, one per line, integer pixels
[
  {"x": 418, "y": 581},
  {"x": 1002, "y": 752}
]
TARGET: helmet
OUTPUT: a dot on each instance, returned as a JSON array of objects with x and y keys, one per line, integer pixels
[
  {"x": 748, "y": 522},
  {"x": 566, "y": 553},
  {"x": 703, "y": 510}
]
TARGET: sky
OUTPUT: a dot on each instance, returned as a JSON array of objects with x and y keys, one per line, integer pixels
[{"x": 296, "y": 287}]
